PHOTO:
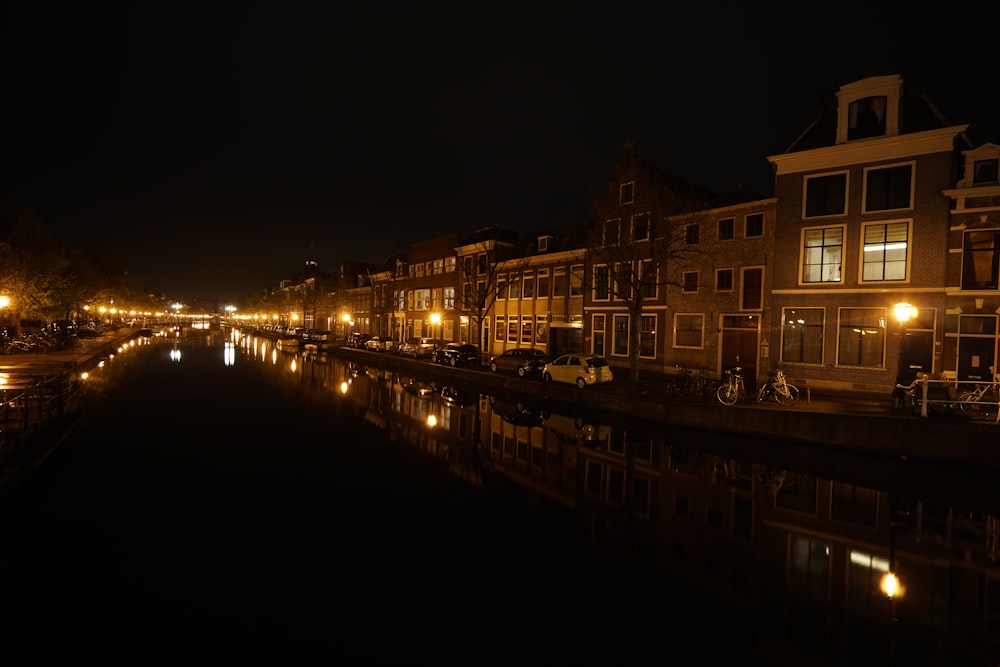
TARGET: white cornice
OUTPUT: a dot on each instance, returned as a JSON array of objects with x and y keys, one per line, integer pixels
[{"x": 868, "y": 151}]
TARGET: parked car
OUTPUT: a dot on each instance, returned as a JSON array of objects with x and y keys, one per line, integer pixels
[
  {"x": 521, "y": 360},
  {"x": 420, "y": 347},
  {"x": 380, "y": 344},
  {"x": 357, "y": 340},
  {"x": 579, "y": 369},
  {"x": 457, "y": 354}
]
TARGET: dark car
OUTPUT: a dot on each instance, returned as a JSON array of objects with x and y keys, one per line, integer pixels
[
  {"x": 357, "y": 340},
  {"x": 457, "y": 354},
  {"x": 521, "y": 360}
]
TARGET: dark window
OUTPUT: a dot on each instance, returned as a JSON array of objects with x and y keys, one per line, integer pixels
[
  {"x": 724, "y": 280},
  {"x": 826, "y": 195},
  {"x": 690, "y": 281},
  {"x": 754, "y": 225},
  {"x": 866, "y": 118},
  {"x": 726, "y": 229},
  {"x": 693, "y": 235},
  {"x": 802, "y": 335},
  {"x": 753, "y": 289},
  {"x": 985, "y": 171},
  {"x": 627, "y": 193},
  {"x": 888, "y": 189}
]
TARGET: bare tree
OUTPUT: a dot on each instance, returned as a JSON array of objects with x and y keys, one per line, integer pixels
[
  {"x": 484, "y": 268},
  {"x": 634, "y": 257}
]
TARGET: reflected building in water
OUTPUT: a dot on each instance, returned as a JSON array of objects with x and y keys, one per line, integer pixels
[{"x": 798, "y": 540}]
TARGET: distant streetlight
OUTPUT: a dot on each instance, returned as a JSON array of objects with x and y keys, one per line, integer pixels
[{"x": 346, "y": 320}]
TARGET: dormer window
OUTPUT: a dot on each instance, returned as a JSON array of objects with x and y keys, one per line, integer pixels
[
  {"x": 866, "y": 118},
  {"x": 984, "y": 172},
  {"x": 869, "y": 108},
  {"x": 543, "y": 243}
]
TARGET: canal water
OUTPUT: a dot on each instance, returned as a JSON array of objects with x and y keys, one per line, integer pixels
[{"x": 224, "y": 496}]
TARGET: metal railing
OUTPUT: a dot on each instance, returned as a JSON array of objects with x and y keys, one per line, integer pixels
[{"x": 948, "y": 393}]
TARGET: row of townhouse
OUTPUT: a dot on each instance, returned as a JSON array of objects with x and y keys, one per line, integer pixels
[{"x": 879, "y": 202}]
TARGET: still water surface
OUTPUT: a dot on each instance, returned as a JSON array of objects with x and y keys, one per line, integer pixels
[{"x": 226, "y": 494}]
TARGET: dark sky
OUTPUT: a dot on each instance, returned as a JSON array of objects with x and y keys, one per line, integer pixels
[{"x": 214, "y": 146}]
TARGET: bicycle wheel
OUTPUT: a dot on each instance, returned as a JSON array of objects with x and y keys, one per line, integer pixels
[
  {"x": 727, "y": 394},
  {"x": 786, "y": 394},
  {"x": 971, "y": 407},
  {"x": 761, "y": 393}
]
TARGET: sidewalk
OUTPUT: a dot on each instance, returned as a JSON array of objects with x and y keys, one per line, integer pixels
[{"x": 82, "y": 354}]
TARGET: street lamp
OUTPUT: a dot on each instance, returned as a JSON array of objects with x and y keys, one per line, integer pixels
[
  {"x": 436, "y": 322},
  {"x": 346, "y": 319},
  {"x": 903, "y": 312}
]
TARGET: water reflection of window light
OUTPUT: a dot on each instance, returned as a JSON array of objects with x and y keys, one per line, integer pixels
[
  {"x": 175, "y": 354},
  {"x": 229, "y": 354}
]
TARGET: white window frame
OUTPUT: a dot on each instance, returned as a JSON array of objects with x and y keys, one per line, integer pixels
[
  {"x": 802, "y": 254},
  {"x": 864, "y": 248},
  {"x": 883, "y": 167}
]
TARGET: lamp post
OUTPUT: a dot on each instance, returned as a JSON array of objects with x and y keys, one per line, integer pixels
[
  {"x": 436, "y": 322},
  {"x": 4, "y": 302},
  {"x": 903, "y": 312}
]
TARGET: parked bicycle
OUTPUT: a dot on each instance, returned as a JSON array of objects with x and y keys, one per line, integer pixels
[
  {"x": 732, "y": 389},
  {"x": 778, "y": 388},
  {"x": 979, "y": 403}
]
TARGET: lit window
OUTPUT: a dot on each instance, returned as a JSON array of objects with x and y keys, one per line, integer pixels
[{"x": 822, "y": 254}]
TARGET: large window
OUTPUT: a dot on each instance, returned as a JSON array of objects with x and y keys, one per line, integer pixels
[
  {"x": 724, "y": 280},
  {"x": 753, "y": 225},
  {"x": 544, "y": 288},
  {"x": 888, "y": 188},
  {"x": 647, "y": 278},
  {"x": 640, "y": 227},
  {"x": 727, "y": 228},
  {"x": 647, "y": 336},
  {"x": 612, "y": 232},
  {"x": 981, "y": 259},
  {"x": 752, "y": 294},
  {"x": 826, "y": 195},
  {"x": 620, "y": 341},
  {"x": 602, "y": 283},
  {"x": 501, "y": 287},
  {"x": 576, "y": 280},
  {"x": 809, "y": 567},
  {"x": 885, "y": 251},
  {"x": 861, "y": 338},
  {"x": 692, "y": 234},
  {"x": 528, "y": 282},
  {"x": 560, "y": 282},
  {"x": 822, "y": 254},
  {"x": 802, "y": 335},
  {"x": 689, "y": 330}
]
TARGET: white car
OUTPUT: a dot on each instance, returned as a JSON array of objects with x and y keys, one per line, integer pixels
[{"x": 579, "y": 369}]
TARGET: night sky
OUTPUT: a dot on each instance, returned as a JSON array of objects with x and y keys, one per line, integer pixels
[{"x": 214, "y": 147}]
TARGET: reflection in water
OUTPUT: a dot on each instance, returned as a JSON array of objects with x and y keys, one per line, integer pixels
[{"x": 799, "y": 538}]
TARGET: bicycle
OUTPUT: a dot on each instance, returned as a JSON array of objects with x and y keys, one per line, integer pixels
[
  {"x": 778, "y": 388},
  {"x": 733, "y": 389},
  {"x": 975, "y": 404}
]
